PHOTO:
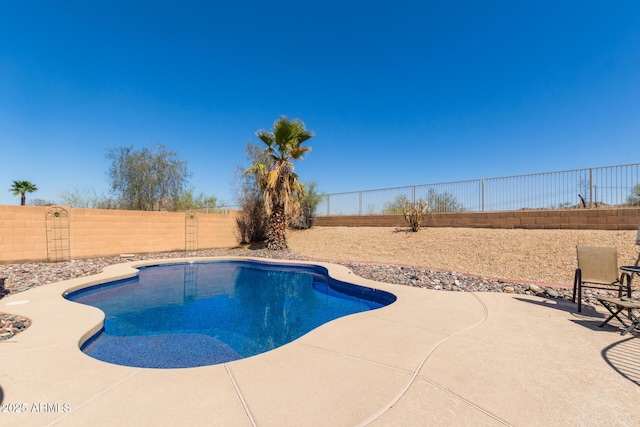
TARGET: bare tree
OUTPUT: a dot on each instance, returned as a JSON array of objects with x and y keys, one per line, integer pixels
[
  {"x": 147, "y": 180},
  {"x": 86, "y": 198}
]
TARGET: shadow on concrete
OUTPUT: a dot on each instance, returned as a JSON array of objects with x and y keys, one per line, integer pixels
[
  {"x": 588, "y": 311},
  {"x": 1, "y": 395},
  {"x": 590, "y": 318},
  {"x": 624, "y": 357}
]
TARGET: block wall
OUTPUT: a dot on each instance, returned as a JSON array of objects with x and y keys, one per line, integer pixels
[
  {"x": 107, "y": 232},
  {"x": 587, "y": 219},
  {"x": 22, "y": 233}
]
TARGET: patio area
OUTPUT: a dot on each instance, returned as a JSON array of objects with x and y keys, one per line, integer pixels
[{"x": 431, "y": 358}]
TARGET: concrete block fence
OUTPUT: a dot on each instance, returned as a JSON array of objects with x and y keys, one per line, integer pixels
[{"x": 40, "y": 233}]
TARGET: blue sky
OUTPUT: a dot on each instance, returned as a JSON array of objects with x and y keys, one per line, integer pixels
[{"x": 397, "y": 93}]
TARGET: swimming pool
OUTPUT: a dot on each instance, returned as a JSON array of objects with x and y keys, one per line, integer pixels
[{"x": 197, "y": 314}]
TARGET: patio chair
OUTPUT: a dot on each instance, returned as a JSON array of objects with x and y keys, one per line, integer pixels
[{"x": 598, "y": 268}]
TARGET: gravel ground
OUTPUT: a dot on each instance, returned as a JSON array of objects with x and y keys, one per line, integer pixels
[
  {"x": 544, "y": 256},
  {"x": 540, "y": 262}
]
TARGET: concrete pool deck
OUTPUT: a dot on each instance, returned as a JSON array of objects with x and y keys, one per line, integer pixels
[{"x": 431, "y": 358}]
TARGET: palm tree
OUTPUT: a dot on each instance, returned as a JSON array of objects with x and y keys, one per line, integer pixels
[
  {"x": 276, "y": 177},
  {"x": 21, "y": 188}
]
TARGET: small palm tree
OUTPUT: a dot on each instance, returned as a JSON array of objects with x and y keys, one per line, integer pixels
[
  {"x": 21, "y": 188},
  {"x": 276, "y": 177}
]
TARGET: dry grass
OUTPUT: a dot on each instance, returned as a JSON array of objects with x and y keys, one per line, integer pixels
[{"x": 546, "y": 256}]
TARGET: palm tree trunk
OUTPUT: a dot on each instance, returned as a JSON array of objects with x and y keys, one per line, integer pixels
[
  {"x": 277, "y": 232},
  {"x": 23, "y": 199}
]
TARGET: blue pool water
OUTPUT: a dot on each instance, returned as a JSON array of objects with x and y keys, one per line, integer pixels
[{"x": 196, "y": 314}]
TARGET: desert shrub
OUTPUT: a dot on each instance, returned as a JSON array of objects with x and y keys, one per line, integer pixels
[
  {"x": 443, "y": 202},
  {"x": 414, "y": 213},
  {"x": 634, "y": 197},
  {"x": 304, "y": 208},
  {"x": 252, "y": 219},
  {"x": 87, "y": 198},
  {"x": 187, "y": 200},
  {"x": 396, "y": 207}
]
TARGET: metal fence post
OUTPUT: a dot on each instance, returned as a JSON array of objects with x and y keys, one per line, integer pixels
[
  {"x": 482, "y": 184},
  {"x": 360, "y": 209},
  {"x": 590, "y": 187}
]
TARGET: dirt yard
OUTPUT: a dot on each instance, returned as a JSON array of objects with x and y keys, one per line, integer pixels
[{"x": 547, "y": 256}]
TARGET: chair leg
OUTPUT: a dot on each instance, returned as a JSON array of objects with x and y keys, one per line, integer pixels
[
  {"x": 614, "y": 310},
  {"x": 577, "y": 276},
  {"x": 579, "y": 296},
  {"x": 629, "y": 291},
  {"x": 634, "y": 324}
]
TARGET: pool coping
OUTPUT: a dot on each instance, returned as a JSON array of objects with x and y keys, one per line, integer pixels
[{"x": 430, "y": 357}]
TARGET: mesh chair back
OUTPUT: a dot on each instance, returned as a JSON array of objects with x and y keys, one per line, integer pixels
[{"x": 598, "y": 265}]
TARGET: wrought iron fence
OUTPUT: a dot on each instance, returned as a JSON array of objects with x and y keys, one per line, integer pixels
[{"x": 579, "y": 188}]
